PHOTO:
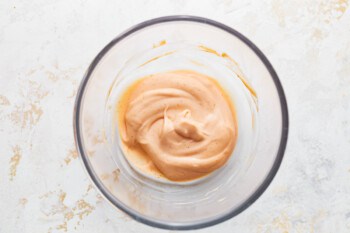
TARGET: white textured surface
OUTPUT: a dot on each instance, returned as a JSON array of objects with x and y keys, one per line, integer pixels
[{"x": 45, "y": 47}]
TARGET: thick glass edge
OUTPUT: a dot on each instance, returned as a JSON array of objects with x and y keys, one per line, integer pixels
[{"x": 262, "y": 187}]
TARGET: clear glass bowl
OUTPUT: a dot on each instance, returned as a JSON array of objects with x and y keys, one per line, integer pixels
[{"x": 206, "y": 46}]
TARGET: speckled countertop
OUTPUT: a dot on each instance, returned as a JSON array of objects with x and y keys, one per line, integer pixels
[{"x": 45, "y": 48}]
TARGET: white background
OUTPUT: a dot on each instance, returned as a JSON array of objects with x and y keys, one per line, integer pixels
[{"x": 45, "y": 48}]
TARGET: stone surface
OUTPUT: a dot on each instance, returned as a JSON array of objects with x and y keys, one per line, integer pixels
[{"x": 45, "y": 48}]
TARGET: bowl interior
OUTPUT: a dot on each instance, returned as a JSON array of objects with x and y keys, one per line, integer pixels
[{"x": 208, "y": 47}]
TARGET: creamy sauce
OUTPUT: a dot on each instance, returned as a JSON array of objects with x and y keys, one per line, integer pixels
[{"x": 178, "y": 125}]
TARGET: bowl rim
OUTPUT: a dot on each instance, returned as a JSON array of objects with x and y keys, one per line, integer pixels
[{"x": 134, "y": 214}]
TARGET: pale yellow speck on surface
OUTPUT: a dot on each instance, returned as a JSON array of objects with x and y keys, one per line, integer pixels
[
  {"x": 73, "y": 94},
  {"x": 57, "y": 209},
  {"x": 98, "y": 139},
  {"x": 23, "y": 201},
  {"x": 52, "y": 76},
  {"x": 83, "y": 209},
  {"x": 14, "y": 161},
  {"x": 342, "y": 6},
  {"x": 90, "y": 187},
  {"x": 91, "y": 153},
  {"x": 45, "y": 195},
  {"x": 62, "y": 226},
  {"x": 104, "y": 176},
  {"x": 318, "y": 34},
  {"x": 62, "y": 196},
  {"x": 69, "y": 215},
  {"x": 27, "y": 115},
  {"x": 99, "y": 197},
  {"x": 279, "y": 11},
  {"x": 4, "y": 100},
  {"x": 333, "y": 9},
  {"x": 36, "y": 91},
  {"x": 282, "y": 223},
  {"x": 71, "y": 155},
  {"x": 116, "y": 174}
]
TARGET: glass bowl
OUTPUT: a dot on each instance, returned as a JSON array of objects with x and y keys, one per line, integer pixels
[{"x": 183, "y": 43}]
